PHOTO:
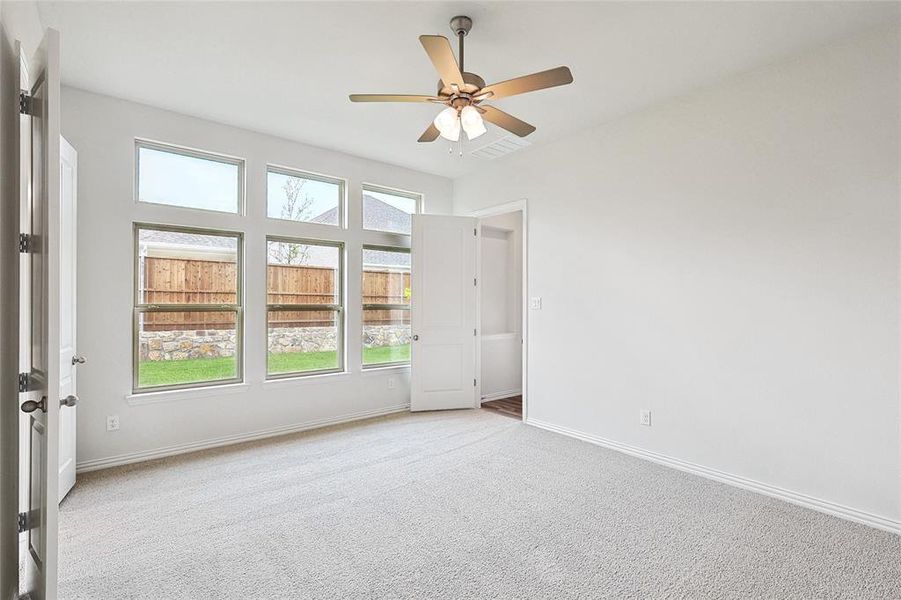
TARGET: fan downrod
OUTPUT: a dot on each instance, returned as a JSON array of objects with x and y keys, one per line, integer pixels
[{"x": 472, "y": 83}]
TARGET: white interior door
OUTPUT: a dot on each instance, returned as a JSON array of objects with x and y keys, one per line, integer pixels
[
  {"x": 68, "y": 358},
  {"x": 444, "y": 312},
  {"x": 41, "y": 274}
]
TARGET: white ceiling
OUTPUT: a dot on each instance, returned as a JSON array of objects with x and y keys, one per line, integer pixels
[{"x": 286, "y": 68}]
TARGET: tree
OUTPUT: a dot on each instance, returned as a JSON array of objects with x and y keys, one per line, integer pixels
[{"x": 296, "y": 207}]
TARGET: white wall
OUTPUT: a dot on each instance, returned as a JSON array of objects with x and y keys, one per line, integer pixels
[
  {"x": 18, "y": 21},
  {"x": 103, "y": 130},
  {"x": 500, "y": 305},
  {"x": 729, "y": 260}
]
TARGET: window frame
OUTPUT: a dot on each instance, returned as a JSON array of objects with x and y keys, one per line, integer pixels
[
  {"x": 240, "y": 210},
  {"x": 376, "y": 306},
  {"x": 320, "y": 177},
  {"x": 339, "y": 308},
  {"x": 139, "y": 307},
  {"x": 382, "y": 189}
]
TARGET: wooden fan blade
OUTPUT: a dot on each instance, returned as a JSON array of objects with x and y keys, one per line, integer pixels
[
  {"x": 429, "y": 135},
  {"x": 441, "y": 55},
  {"x": 508, "y": 122},
  {"x": 529, "y": 83},
  {"x": 391, "y": 98}
]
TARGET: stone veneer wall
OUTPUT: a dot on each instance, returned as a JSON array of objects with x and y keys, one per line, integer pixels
[{"x": 178, "y": 345}]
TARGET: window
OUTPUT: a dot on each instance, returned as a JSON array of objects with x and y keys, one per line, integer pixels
[
  {"x": 298, "y": 196},
  {"x": 389, "y": 210},
  {"x": 188, "y": 300},
  {"x": 304, "y": 296},
  {"x": 188, "y": 178},
  {"x": 386, "y": 306}
]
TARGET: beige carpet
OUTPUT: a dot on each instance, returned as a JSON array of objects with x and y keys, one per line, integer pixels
[{"x": 466, "y": 504}]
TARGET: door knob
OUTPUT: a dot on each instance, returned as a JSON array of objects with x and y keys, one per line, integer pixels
[
  {"x": 70, "y": 400},
  {"x": 79, "y": 360},
  {"x": 415, "y": 338},
  {"x": 29, "y": 406}
]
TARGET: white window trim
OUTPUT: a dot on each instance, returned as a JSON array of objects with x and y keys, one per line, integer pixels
[
  {"x": 192, "y": 153},
  {"x": 340, "y": 308},
  {"x": 321, "y": 177},
  {"x": 374, "y": 187},
  {"x": 139, "y": 307}
]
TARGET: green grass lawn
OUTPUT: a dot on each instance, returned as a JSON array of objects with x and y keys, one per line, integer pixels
[{"x": 192, "y": 370}]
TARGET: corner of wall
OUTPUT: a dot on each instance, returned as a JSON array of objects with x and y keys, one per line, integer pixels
[{"x": 21, "y": 21}]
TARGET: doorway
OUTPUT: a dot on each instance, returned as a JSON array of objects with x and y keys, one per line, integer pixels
[{"x": 502, "y": 310}]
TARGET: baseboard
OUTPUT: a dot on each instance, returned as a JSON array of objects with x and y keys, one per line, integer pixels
[
  {"x": 501, "y": 395},
  {"x": 135, "y": 457},
  {"x": 824, "y": 506}
]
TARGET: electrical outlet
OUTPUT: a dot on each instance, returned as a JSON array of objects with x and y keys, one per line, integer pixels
[
  {"x": 392, "y": 383},
  {"x": 645, "y": 418},
  {"x": 535, "y": 303},
  {"x": 112, "y": 422}
]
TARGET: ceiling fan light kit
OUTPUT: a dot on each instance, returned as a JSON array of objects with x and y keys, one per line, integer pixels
[
  {"x": 448, "y": 124},
  {"x": 472, "y": 122},
  {"x": 463, "y": 92}
]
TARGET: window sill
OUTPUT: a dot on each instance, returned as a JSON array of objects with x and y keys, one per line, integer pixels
[
  {"x": 141, "y": 399},
  {"x": 373, "y": 371},
  {"x": 288, "y": 382}
]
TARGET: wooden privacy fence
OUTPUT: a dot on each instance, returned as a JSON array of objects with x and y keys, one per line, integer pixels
[{"x": 189, "y": 281}]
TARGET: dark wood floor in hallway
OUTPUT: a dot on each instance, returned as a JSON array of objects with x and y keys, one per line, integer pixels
[{"x": 509, "y": 407}]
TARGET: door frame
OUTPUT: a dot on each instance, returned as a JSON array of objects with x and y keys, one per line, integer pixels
[
  {"x": 23, "y": 317},
  {"x": 521, "y": 205}
]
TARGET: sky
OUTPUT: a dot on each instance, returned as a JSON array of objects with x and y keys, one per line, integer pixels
[{"x": 176, "y": 179}]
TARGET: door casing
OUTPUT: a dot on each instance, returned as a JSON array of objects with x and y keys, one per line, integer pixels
[{"x": 515, "y": 206}]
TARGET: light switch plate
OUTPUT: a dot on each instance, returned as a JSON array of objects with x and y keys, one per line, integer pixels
[{"x": 535, "y": 303}]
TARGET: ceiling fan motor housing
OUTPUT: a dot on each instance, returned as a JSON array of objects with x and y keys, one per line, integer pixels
[{"x": 472, "y": 83}]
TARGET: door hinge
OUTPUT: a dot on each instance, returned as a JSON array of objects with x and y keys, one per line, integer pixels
[
  {"x": 473, "y": 383},
  {"x": 475, "y": 332},
  {"x": 474, "y": 232},
  {"x": 26, "y": 383},
  {"x": 23, "y": 522},
  {"x": 26, "y": 243},
  {"x": 26, "y": 104},
  {"x": 475, "y": 281}
]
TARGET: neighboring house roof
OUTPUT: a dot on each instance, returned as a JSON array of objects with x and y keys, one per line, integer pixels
[
  {"x": 380, "y": 216},
  {"x": 195, "y": 240},
  {"x": 190, "y": 246},
  {"x": 380, "y": 258}
]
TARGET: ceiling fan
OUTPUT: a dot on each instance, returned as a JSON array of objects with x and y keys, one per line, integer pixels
[{"x": 463, "y": 92}]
